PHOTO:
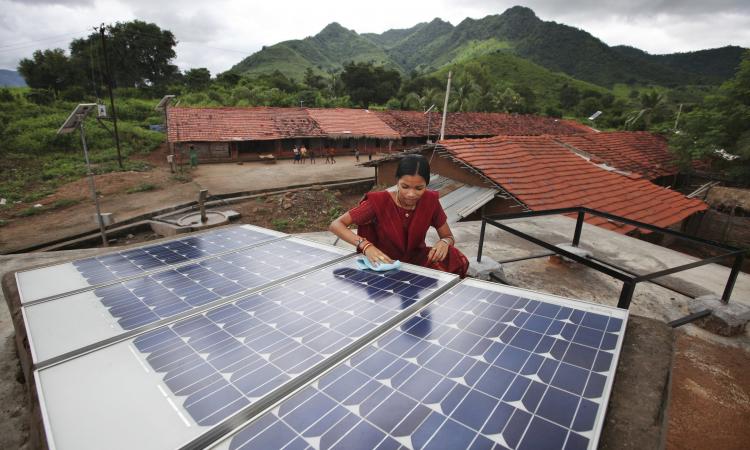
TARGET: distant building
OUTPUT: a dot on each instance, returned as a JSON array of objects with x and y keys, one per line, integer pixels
[{"x": 243, "y": 134}]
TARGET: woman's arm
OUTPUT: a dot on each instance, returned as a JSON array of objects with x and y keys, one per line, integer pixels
[
  {"x": 340, "y": 227},
  {"x": 440, "y": 250}
]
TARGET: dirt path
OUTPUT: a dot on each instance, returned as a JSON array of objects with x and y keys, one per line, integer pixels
[
  {"x": 710, "y": 401},
  {"x": 70, "y": 211}
]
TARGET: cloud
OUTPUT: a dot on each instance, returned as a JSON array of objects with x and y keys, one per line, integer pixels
[{"x": 220, "y": 33}]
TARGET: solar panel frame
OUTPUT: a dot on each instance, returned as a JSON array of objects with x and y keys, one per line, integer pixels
[
  {"x": 30, "y": 276},
  {"x": 126, "y": 334},
  {"x": 44, "y": 399},
  {"x": 580, "y": 305}
]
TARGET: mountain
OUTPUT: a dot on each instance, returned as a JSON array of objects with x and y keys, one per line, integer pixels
[
  {"x": 327, "y": 50},
  {"x": 11, "y": 78},
  {"x": 427, "y": 47}
]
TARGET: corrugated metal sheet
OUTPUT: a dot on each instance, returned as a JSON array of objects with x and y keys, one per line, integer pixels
[{"x": 459, "y": 200}]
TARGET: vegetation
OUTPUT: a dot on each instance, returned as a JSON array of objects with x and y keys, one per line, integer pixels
[
  {"x": 34, "y": 160},
  {"x": 719, "y": 129}
]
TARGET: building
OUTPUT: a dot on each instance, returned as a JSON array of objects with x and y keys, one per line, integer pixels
[
  {"x": 246, "y": 134},
  {"x": 541, "y": 172}
]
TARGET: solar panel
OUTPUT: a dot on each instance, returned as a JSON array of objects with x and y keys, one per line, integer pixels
[
  {"x": 35, "y": 284},
  {"x": 96, "y": 315},
  {"x": 483, "y": 366},
  {"x": 174, "y": 383}
]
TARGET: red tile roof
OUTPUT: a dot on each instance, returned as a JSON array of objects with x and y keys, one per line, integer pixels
[
  {"x": 342, "y": 122},
  {"x": 475, "y": 124},
  {"x": 633, "y": 151},
  {"x": 239, "y": 124},
  {"x": 543, "y": 174}
]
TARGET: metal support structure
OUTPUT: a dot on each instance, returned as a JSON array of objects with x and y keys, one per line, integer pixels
[
  {"x": 481, "y": 240},
  {"x": 732, "y": 277},
  {"x": 626, "y": 294},
  {"x": 92, "y": 186},
  {"x": 689, "y": 318},
  {"x": 629, "y": 278},
  {"x": 579, "y": 227}
]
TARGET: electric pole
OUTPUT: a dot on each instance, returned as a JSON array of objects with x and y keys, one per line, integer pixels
[{"x": 111, "y": 96}]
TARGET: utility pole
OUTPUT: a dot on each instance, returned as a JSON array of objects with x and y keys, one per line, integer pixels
[
  {"x": 445, "y": 107},
  {"x": 111, "y": 96}
]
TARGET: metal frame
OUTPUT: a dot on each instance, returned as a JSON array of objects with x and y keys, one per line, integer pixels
[{"x": 628, "y": 278}]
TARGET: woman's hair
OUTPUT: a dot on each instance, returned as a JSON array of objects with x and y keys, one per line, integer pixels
[{"x": 414, "y": 165}]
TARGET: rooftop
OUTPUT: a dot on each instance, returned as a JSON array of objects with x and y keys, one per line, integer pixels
[{"x": 542, "y": 174}]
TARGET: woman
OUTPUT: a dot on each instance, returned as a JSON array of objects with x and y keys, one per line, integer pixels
[{"x": 393, "y": 225}]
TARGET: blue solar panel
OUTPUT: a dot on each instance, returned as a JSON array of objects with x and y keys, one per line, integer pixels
[
  {"x": 229, "y": 357},
  {"x": 147, "y": 299},
  {"x": 477, "y": 368},
  {"x": 115, "y": 266}
]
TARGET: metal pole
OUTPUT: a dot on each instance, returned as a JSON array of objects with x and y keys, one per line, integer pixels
[
  {"x": 445, "y": 107},
  {"x": 93, "y": 186},
  {"x": 579, "y": 226},
  {"x": 732, "y": 277},
  {"x": 111, "y": 96},
  {"x": 481, "y": 240},
  {"x": 626, "y": 295}
]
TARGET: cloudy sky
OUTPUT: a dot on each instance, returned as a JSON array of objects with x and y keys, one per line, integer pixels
[{"x": 219, "y": 33}]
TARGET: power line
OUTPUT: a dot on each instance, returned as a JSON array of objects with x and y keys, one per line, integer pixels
[{"x": 50, "y": 38}]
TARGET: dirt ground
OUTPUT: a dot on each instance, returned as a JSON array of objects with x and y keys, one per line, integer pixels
[
  {"x": 710, "y": 400},
  {"x": 69, "y": 211}
]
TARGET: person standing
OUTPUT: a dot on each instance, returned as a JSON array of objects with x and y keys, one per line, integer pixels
[
  {"x": 312, "y": 156},
  {"x": 332, "y": 155},
  {"x": 303, "y": 153},
  {"x": 193, "y": 156},
  {"x": 356, "y": 153},
  {"x": 296, "y": 155}
]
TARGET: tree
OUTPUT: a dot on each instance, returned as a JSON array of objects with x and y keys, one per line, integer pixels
[
  {"x": 140, "y": 55},
  {"x": 719, "y": 129},
  {"x": 367, "y": 84},
  {"x": 49, "y": 69},
  {"x": 313, "y": 80},
  {"x": 569, "y": 97},
  {"x": 197, "y": 79}
]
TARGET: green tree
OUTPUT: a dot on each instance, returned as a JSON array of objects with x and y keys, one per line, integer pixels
[
  {"x": 719, "y": 130},
  {"x": 313, "y": 80},
  {"x": 140, "y": 55},
  {"x": 49, "y": 69},
  {"x": 569, "y": 97},
  {"x": 367, "y": 84},
  {"x": 197, "y": 79}
]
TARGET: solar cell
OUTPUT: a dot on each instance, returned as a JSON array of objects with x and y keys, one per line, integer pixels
[
  {"x": 194, "y": 373},
  {"x": 483, "y": 366},
  {"x": 35, "y": 284},
  {"x": 99, "y": 314}
]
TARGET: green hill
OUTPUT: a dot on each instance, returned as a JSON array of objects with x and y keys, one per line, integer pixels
[
  {"x": 327, "y": 50},
  {"x": 427, "y": 47}
]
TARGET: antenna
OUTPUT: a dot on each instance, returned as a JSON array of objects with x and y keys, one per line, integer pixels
[
  {"x": 595, "y": 115},
  {"x": 429, "y": 117}
]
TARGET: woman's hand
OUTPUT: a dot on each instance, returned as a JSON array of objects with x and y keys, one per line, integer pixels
[
  {"x": 438, "y": 252},
  {"x": 376, "y": 256}
]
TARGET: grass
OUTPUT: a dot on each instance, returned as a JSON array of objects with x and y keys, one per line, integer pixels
[
  {"x": 28, "y": 212},
  {"x": 142, "y": 187},
  {"x": 64, "y": 203},
  {"x": 280, "y": 224}
]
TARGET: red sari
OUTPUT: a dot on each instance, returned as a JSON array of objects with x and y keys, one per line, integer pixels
[{"x": 400, "y": 232}]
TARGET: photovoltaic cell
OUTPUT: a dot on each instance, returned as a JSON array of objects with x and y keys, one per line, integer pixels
[
  {"x": 115, "y": 266},
  {"x": 138, "y": 302},
  {"x": 480, "y": 367},
  {"x": 147, "y": 299},
  {"x": 224, "y": 360}
]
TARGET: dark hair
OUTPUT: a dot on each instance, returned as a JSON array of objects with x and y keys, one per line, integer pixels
[{"x": 414, "y": 165}]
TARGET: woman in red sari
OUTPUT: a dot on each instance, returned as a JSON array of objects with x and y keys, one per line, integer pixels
[{"x": 393, "y": 225}]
